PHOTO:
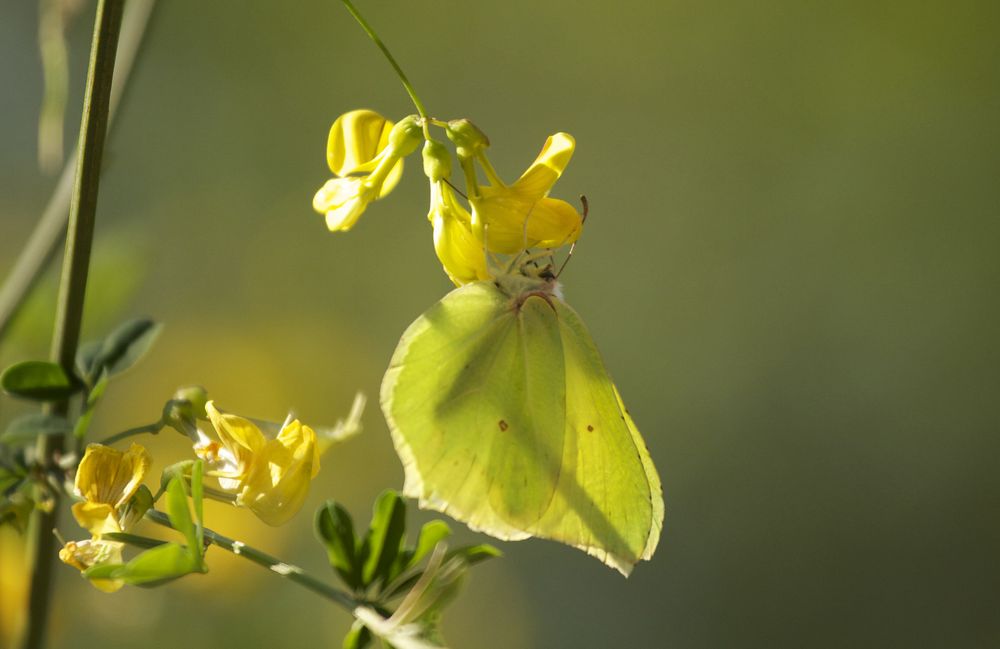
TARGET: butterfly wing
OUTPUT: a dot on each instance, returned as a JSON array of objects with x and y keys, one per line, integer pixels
[
  {"x": 475, "y": 400},
  {"x": 608, "y": 501},
  {"x": 507, "y": 419}
]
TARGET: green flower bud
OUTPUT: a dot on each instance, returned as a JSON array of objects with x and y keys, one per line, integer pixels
[
  {"x": 195, "y": 397},
  {"x": 468, "y": 139},
  {"x": 437, "y": 160},
  {"x": 405, "y": 136}
]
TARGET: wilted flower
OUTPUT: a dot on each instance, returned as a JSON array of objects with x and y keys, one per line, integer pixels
[{"x": 85, "y": 554}]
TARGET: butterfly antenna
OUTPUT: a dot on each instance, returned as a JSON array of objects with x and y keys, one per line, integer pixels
[{"x": 583, "y": 219}]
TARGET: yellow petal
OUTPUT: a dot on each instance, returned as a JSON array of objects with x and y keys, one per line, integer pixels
[
  {"x": 239, "y": 435},
  {"x": 106, "y": 475},
  {"x": 537, "y": 181},
  {"x": 96, "y": 518},
  {"x": 343, "y": 201},
  {"x": 279, "y": 482},
  {"x": 500, "y": 214},
  {"x": 461, "y": 255},
  {"x": 355, "y": 141}
]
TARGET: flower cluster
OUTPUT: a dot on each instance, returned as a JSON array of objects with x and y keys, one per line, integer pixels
[
  {"x": 270, "y": 476},
  {"x": 365, "y": 153},
  {"x": 109, "y": 482}
]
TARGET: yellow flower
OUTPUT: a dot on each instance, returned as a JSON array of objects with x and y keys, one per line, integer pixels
[
  {"x": 500, "y": 211},
  {"x": 270, "y": 477},
  {"x": 84, "y": 554},
  {"x": 106, "y": 479},
  {"x": 461, "y": 255},
  {"x": 365, "y": 152}
]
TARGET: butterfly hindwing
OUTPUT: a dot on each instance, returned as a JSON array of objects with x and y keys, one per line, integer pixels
[{"x": 609, "y": 501}]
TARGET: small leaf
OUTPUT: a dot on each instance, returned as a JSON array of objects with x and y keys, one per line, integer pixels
[
  {"x": 133, "y": 539},
  {"x": 39, "y": 381},
  {"x": 28, "y": 427},
  {"x": 336, "y": 531},
  {"x": 83, "y": 423},
  {"x": 177, "y": 510},
  {"x": 197, "y": 497},
  {"x": 358, "y": 637},
  {"x": 126, "y": 345},
  {"x": 175, "y": 470},
  {"x": 431, "y": 534},
  {"x": 153, "y": 567},
  {"x": 8, "y": 479},
  {"x": 136, "y": 507},
  {"x": 385, "y": 536},
  {"x": 473, "y": 554},
  {"x": 86, "y": 357}
]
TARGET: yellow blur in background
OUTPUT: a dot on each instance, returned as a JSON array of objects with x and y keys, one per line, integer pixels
[{"x": 790, "y": 266}]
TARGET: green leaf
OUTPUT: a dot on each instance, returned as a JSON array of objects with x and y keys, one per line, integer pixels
[
  {"x": 126, "y": 345},
  {"x": 358, "y": 637},
  {"x": 8, "y": 478},
  {"x": 27, "y": 428},
  {"x": 197, "y": 497},
  {"x": 335, "y": 530},
  {"x": 431, "y": 534},
  {"x": 153, "y": 567},
  {"x": 39, "y": 381},
  {"x": 175, "y": 470},
  {"x": 133, "y": 539},
  {"x": 473, "y": 554},
  {"x": 177, "y": 510},
  {"x": 386, "y": 534},
  {"x": 83, "y": 423},
  {"x": 136, "y": 507},
  {"x": 86, "y": 356}
]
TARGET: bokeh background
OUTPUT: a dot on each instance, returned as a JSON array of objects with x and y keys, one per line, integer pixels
[{"x": 791, "y": 267}]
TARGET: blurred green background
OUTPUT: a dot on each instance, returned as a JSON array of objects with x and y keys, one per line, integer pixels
[{"x": 791, "y": 267}]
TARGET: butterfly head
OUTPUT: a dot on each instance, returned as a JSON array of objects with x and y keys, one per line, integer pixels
[{"x": 525, "y": 277}]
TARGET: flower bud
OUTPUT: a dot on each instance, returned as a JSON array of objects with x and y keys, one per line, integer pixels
[
  {"x": 193, "y": 399},
  {"x": 437, "y": 160},
  {"x": 405, "y": 136},
  {"x": 467, "y": 137}
]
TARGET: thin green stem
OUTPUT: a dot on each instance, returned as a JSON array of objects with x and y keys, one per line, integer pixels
[
  {"x": 153, "y": 429},
  {"x": 41, "y": 246},
  {"x": 69, "y": 312},
  {"x": 275, "y": 565},
  {"x": 392, "y": 61}
]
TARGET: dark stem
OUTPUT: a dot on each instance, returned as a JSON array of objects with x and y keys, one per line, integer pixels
[
  {"x": 72, "y": 288},
  {"x": 41, "y": 246}
]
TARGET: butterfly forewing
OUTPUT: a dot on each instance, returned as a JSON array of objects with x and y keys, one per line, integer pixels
[{"x": 462, "y": 400}]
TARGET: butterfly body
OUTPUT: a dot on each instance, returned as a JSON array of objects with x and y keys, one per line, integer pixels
[{"x": 506, "y": 419}]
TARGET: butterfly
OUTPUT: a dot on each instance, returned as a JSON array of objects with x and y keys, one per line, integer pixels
[{"x": 506, "y": 419}]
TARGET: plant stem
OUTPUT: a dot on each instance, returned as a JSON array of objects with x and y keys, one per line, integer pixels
[
  {"x": 153, "y": 429},
  {"x": 72, "y": 288},
  {"x": 41, "y": 246},
  {"x": 392, "y": 61},
  {"x": 287, "y": 570}
]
